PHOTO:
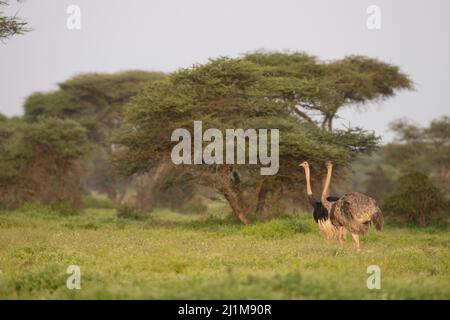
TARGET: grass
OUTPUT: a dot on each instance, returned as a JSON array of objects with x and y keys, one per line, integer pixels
[{"x": 173, "y": 256}]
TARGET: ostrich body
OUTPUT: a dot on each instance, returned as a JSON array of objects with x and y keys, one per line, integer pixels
[
  {"x": 353, "y": 211},
  {"x": 320, "y": 213}
]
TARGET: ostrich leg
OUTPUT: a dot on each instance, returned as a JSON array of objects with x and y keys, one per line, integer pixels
[
  {"x": 341, "y": 235},
  {"x": 356, "y": 241}
]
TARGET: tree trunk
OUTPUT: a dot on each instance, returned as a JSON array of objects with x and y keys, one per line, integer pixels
[
  {"x": 262, "y": 195},
  {"x": 232, "y": 193},
  {"x": 237, "y": 209},
  {"x": 111, "y": 194},
  {"x": 144, "y": 200},
  {"x": 422, "y": 219},
  {"x": 330, "y": 124},
  {"x": 324, "y": 122}
]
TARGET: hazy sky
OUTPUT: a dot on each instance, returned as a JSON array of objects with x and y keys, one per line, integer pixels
[{"x": 168, "y": 34}]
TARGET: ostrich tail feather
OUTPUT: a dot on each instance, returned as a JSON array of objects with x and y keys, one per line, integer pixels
[
  {"x": 327, "y": 230},
  {"x": 378, "y": 220}
]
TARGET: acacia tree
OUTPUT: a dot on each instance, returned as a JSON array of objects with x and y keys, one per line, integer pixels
[
  {"x": 95, "y": 101},
  {"x": 10, "y": 25},
  {"x": 231, "y": 93},
  {"x": 39, "y": 161},
  {"x": 317, "y": 91},
  {"x": 424, "y": 148}
]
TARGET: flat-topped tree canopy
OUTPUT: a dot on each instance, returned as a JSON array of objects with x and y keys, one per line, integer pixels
[
  {"x": 313, "y": 86},
  {"x": 94, "y": 99}
]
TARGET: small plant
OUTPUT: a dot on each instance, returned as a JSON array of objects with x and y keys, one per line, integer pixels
[
  {"x": 127, "y": 211},
  {"x": 64, "y": 207},
  {"x": 96, "y": 202}
]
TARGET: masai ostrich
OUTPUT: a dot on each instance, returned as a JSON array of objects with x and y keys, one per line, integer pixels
[
  {"x": 353, "y": 211},
  {"x": 320, "y": 213}
]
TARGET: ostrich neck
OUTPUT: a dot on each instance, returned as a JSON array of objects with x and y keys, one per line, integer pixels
[
  {"x": 308, "y": 182},
  {"x": 326, "y": 189}
]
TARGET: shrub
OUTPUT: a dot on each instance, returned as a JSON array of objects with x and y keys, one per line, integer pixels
[
  {"x": 64, "y": 207},
  {"x": 195, "y": 205},
  {"x": 415, "y": 197},
  {"x": 94, "y": 202},
  {"x": 127, "y": 211}
]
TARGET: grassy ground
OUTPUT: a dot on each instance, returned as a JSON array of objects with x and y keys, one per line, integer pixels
[{"x": 173, "y": 256}]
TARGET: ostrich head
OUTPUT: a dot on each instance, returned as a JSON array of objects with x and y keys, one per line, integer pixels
[{"x": 304, "y": 165}]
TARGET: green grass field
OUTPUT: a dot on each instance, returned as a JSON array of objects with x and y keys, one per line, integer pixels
[{"x": 174, "y": 256}]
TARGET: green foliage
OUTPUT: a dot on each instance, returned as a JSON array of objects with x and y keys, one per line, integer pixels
[
  {"x": 224, "y": 93},
  {"x": 176, "y": 256},
  {"x": 277, "y": 228},
  {"x": 176, "y": 190},
  {"x": 64, "y": 207},
  {"x": 311, "y": 86},
  {"x": 60, "y": 104},
  {"x": 416, "y": 197},
  {"x": 96, "y": 102},
  {"x": 424, "y": 148},
  {"x": 195, "y": 205},
  {"x": 63, "y": 140},
  {"x": 11, "y": 159},
  {"x": 61, "y": 208},
  {"x": 379, "y": 183},
  {"x": 250, "y": 92},
  {"x": 127, "y": 211},
  {"x": 10, "y": 25},
  {"x": 95, "y": 202},
  {"x": 39, "y": 160}
]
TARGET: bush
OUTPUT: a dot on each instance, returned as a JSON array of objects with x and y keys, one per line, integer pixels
[
  {"x": 415, "y": 197},
  {"x": 33, "y": 206},
  {"x": 94, "y": 202},
  {"x": 195, "y": 205},
  {"x": 174, "y": 190},
  {"x": 64, "y": 207},
  {"x": 127, "y": 211}
]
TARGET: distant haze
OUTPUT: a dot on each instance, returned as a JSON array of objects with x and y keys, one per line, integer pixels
[{"x": 165, "y": 35}]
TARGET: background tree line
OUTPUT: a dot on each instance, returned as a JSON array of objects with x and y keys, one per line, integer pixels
[
  {"x": 108, "y": 133},
  {"x": 411, "y": 175}
]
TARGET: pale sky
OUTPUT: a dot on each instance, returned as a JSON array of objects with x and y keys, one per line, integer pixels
[{"x": 165, "y": 35}]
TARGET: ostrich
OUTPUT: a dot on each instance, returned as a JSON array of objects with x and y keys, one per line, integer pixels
[
  {"x": 353, "y": 211},
  {"x": 320, "y": 213}
]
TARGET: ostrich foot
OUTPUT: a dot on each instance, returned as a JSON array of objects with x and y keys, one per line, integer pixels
[{"x": 356, "y": 242}]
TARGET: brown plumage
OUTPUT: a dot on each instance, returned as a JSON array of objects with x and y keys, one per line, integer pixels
[{"x": 353, "y": 211}]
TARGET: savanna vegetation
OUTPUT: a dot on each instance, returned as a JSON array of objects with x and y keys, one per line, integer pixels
[
  {"x": 170, "y": 255},
  {"x": 86, "y": 179}
]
